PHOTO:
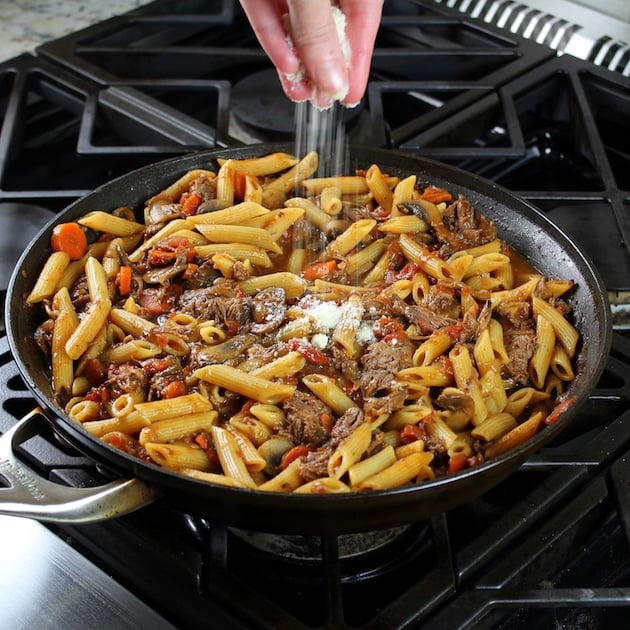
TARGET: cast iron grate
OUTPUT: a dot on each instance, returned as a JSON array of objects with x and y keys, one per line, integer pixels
[
  {"x": 211, "y": 41},
  {"x": 63, "y": 135}
]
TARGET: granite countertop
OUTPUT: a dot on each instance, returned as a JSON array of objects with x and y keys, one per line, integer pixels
[{"x": 25, "y": 24}]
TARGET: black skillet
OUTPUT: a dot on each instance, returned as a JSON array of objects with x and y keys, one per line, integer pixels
[{"x": 524, "y": 227}]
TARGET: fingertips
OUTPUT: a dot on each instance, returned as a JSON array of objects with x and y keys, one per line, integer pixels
[{"x": 296, "y": 87}]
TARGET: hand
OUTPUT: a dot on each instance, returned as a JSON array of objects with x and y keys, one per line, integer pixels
[{"x": 327, "y": 75}]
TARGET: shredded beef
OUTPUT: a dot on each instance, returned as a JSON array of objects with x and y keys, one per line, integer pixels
[
  {"x": 375, "y": 406},
  {"x": 159, "y": 381},
  {"x": 426, "y": 320},
  {"x": 125, "y": 378},
  {"x": 346, "y": 365},
  {"x": 519, "y": 344},
  {"x": 381, "y": 363},
  {"x": 204, "y": 303},
  {"x": 205, "y": 186},
  {"x": 43, "y": 336},
  {"x": 466, "y": 228},
  {"x": 303, "y": 419},
  {"x": 517, "y": 314},
  {"x": 356, "y": 213},
  {"x": 315, "y": 464}
]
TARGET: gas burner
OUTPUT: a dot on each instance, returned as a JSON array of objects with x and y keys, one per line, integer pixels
[
  {"x": 309, "y": 548},
  {"x": 360, "y": 555},
  {"x": 261, "y": 112}
]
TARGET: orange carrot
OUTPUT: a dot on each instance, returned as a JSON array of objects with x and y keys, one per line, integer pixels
[
  {"x": 320, "y": 270},
  {"x": 69, "y": 238},
  {"x": 124, "y": 280},
  {"x": 436, "y": 195},
  {"x": 240, "y": 184},
  {"x": 174, "y": 389},
  {"x": 292, "y": 454},
  {"x": 190, "y": 202}
]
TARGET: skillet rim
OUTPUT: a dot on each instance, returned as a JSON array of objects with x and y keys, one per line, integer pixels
[{"x": 458, "y": 179}]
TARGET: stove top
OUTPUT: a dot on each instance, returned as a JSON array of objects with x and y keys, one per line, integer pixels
[{"x": 550, "y": 545}]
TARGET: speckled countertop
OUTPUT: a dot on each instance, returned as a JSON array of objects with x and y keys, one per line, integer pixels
[{"x": 25, "y": 24}]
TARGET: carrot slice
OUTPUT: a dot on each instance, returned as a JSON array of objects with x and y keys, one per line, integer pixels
[
  {"x": 240, "y": 184},
  {"x": 292, "y": 454},
  {"x": 319, "y": 270},
  {"x": 436, "y": 195},
  {"x": 174, "y": 389},
  {"x": 124, "y": 280},
  {"x": 190, "y": 202},
  {"x": 69, "y": 238}
]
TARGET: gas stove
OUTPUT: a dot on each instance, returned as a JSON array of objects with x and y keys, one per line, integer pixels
[{"x": 548, "y": 547}]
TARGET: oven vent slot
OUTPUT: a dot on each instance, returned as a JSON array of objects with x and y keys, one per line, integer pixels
[{"x": 582, "y": 32}]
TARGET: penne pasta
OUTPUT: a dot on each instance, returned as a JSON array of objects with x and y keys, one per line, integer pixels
[{"x": 267, "y": 330}]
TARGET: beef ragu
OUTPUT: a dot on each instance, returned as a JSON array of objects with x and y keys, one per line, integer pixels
[{"x": 266, "y": 329}]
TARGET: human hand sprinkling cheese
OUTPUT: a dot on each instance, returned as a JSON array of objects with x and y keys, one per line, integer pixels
[{"x": 322, "y": 50}]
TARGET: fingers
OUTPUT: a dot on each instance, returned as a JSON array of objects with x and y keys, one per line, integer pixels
[
  {"x": 317, "y": 43},
  {"x": 362, "y": 21},
  {"x": 318, "y": 67},
  {"x": 265, "y": 17}
]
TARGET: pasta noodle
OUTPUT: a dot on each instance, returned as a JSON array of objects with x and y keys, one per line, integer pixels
[{"x": 301, "y": 334}]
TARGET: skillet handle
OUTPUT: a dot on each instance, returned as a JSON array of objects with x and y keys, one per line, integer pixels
[{"x": 30, "y": 495}]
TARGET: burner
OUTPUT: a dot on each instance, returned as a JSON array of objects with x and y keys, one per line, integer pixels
[
  {"x": 18, "y": 225},
  {"x": 309, "y": 548},
  {"x": 360, "y": 555},
  {"x": 261, "y": 112}
]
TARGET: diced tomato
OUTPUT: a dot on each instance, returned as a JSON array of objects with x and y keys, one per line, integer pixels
[
  {"x": 327, "y": 421},
  {"x": 308, "y": 351},
  {"x": 232, "y": 328},
  {"x": 159, "y": 257},
  {"x": 122, "y": 442},
  {"x": 292, "y": 454},
  {"x": 189, "y": 272},
  {"x": 408, "y": 271},
  {"x": 453, "y": 331},
  {"x": 457, "y": 462},
  {"x": 170, "y": 249},
  {"x": 153, "y": 366},
  {"x": 202, "y": 439},
  {"x": 411, "y": 433},
  {"x": 388, "y": 329},
  {"x": 380, "y": 214}
]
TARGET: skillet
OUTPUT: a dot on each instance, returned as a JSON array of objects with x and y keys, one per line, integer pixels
[{"x": 520, "y": 224}]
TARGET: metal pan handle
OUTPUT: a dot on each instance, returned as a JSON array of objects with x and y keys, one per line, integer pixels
[{"x": 30, "y": 495}]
